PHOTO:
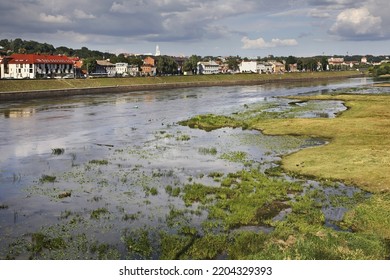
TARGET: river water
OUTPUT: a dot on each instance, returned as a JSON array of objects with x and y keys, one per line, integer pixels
[{"x": 98, "y": 165}]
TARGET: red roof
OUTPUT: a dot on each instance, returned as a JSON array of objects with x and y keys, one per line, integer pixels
[{"x": 38, "y": 59}]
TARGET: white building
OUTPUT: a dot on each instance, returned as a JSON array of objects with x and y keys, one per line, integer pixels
[
  {"x": 208, "y": 67},
  {"x": 248, "y": 67},
  {"x": 32, "y": 66},
  {"x": 255, "y": 67},
  {"x": 121, "y": 68},
  {"x": 104, "y": 68},
  {"x": 133, "y": 70}
]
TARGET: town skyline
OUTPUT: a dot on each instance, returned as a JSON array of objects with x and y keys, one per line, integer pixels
[{"x": 246, "y": 28}]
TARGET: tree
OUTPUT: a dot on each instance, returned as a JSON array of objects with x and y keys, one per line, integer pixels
[
  {"x": 191, "y": 64},
  {"x": 89, "y": 64},
  {"x": 166, "y": 65},
  {"x": 290, "y": 60},
  {"x": 324, "y": 63},
  {"x": 233, "y": 62}
]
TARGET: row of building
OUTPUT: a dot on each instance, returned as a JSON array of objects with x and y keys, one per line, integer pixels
[{"x": 33, "y": 66}]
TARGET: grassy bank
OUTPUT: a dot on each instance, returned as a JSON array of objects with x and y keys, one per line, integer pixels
[
  {"x": 359, "y": 139},
  {"x": 53, "y": 84},
  {"x": 357, "y": 153}
]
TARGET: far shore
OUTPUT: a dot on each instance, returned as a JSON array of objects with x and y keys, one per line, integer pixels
[{"x": 32, "y": 89}]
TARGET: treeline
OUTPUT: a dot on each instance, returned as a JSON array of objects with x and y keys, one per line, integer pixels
[
  {"x": 23, "y": 46},
  {"x": 380, "y": 70}
]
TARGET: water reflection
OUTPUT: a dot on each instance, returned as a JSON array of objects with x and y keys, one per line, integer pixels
[{"x": 19, "y": 113}]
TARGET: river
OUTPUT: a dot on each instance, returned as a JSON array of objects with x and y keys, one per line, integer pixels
[{"x": 94, "y": 166}]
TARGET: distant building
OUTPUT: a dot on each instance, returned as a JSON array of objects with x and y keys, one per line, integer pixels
[
  {"x": 158, "y": 53},
  {"x": 335, "y": 61},
  {"x": 32, "y": 66},
  {"x": 248, "y": 67},
  {"x": 104, "y": 68},
  {"x": 121, "y": 68},
  {"x": 149, "y": 66},
  {"x": 255, "y": 67},
  {"x": 278, "y": 67},
  {"x": 133, "y": 70},
  {"x": 208, "y": 67}
]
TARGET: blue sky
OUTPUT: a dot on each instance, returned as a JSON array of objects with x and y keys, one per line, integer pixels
[{"x": 204, "y": 27}]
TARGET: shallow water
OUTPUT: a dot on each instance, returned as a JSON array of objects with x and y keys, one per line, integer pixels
[{"x": 120, "y": 152}]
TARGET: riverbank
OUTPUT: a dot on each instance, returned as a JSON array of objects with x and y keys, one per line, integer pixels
[
  {"x": 30, "y": 89},
  {"x": 357, "y": 154}
]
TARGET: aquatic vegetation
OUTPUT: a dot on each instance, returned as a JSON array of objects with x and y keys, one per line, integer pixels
[
  {"x": 210, "y": 122},
  {"x": 99, "y": 162},
  {"x": 235, "y": 156},
  {"x": 47, "y": 179},
  {"x": 138, "y": 243},
  {"x": 183, "y": 137},
  {"x": 208, "y": 151},
  {"x": 172, "y": 191},
  {"x": 40, "y": 241},
  {"x": 97, "y": 213},
  {"x": 58, "y": 151}
]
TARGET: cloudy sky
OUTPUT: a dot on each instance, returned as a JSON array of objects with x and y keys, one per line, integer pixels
[{"x": 204, "y": 27}]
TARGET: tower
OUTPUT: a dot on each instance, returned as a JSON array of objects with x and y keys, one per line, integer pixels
[{"x": 158, "y": 53}]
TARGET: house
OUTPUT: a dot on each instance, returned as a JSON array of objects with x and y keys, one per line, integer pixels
[
  {"x": 255, "y": 67},
  {"x": 32, "y": 66},
  {"x": 77, "y": 65},
  {"x": 208, "y": 67},
  {"x": 248, "y": 67},
  {"x": 121, "y": 68},
  {"x": 149, "y": 66},
  {"x": 278, "y": 67},
  {"x": 104, "y": 68},
  {"x": 133, "y": 70}
]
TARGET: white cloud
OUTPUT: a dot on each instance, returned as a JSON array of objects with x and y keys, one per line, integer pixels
[
  {"x": 80, "y": 14},
  {"x": 260, "y": 43},
  {"x": 358, "y": 23},
  {"x": 53, "y": 18}
]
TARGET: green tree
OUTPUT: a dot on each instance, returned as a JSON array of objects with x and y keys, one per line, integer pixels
[
  {"x": 89, "y": 64},
  {"x": 166, "y": 65},
  {"x": 290, "y": 60},
  {"x": 233, "y": 62},
  {"x": 191, "y": 64}
]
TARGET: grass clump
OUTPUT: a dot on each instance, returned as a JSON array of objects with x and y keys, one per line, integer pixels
[
  {"x": 58, "y": 151},
  {"x": 99, "y": 161},
  {"x": 97, "y": 213},
  {"x": 210, "y": 122},
  {"x": 47, "y": 179},
  {"x": 208, "y": 151}
]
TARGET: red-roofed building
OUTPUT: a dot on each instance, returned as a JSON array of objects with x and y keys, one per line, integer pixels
[{"x": 32, "y": 66}]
